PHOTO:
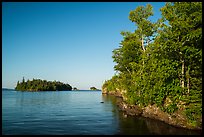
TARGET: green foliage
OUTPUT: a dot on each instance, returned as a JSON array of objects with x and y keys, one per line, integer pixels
[
  {"x": 112, "y": 84},
  {"x": 93, "y": 88},
  {"x": 161, "y": 63},
  {"x": 128, "y": 52},
  {"x": 140, "y": 16},
  {"x": 75, "y": 88},
  {"x": 171, "y": 108},
  {"x": 41, "y": 85}
]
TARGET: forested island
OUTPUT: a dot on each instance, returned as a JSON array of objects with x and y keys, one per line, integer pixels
[
  {"x": 75, "y": 88},
  {"x": 42, "y": 85},
  {"x": 93, "y": 88},
  {"x": 159, "y": 65}
]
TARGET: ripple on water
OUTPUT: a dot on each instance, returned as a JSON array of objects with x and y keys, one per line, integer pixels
[{"x": 71, "y": 113}]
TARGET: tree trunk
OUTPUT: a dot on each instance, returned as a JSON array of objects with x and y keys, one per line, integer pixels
[
  {"x": 143, "y": 44},
  {"x": 188, "y": 85},
  {"x": 182, "y": 73},
  {"x": 143, "y": 49},
  {"x": 188, "y": 81},
  {"x": 128, "y": 70},
  {"x": 182, "y": 70}
]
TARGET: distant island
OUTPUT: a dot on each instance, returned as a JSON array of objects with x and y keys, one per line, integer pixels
[
  {"x": 75, "y": 88},
  {"x": 93, "y": 88},
  {"x": 42, "y": 85}
]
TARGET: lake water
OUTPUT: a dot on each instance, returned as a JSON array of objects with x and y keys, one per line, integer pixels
[{"x": 74, "y": 113}]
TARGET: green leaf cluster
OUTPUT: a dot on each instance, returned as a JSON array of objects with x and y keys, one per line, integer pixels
[
  {"x": 93, "y": 88},
  {"x": 161, "y": 62}
]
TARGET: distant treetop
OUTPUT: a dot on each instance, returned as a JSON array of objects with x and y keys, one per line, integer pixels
[
  {"x": 93, "y": 88},
  {"x": 75, "y": 88}
]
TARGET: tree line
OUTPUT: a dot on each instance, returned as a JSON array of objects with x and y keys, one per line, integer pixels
[
  {"x": 161, "y": 62},
  {"x": 41, "y": 85},
  {"x": 93, "y": 88}
]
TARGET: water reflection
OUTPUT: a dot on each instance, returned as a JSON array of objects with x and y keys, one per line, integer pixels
[
  {"x": 161, "y": 128},
  {"x": 74, "y": 113},
  {"x": 132, "y": 125},
  {"x": 38, "y": 98}
]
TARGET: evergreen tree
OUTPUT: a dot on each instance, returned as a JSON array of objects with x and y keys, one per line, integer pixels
[{"x": 42, "y": 85}]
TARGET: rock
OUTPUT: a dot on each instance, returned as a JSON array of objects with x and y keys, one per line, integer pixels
[{"x": 177, "y": 119}]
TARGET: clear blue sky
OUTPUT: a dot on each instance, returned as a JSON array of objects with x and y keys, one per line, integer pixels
[{"x": 68, "y": 42}]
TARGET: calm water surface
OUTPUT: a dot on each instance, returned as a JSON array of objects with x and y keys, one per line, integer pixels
[{"x": 73, "y": 113}]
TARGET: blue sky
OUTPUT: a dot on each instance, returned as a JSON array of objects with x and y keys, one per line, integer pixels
[{"x": 70, "y": 42}]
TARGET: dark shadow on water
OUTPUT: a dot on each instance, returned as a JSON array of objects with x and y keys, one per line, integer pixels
[{"x": 161, "y": 128}]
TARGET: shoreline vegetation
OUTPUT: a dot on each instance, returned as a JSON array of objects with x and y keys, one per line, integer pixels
[
  {"x": 44, "y": 85},
  {"x": 94, "y": 88},
  {"x": 159, "y": 65},
  {"x": 177, "y": 119}
]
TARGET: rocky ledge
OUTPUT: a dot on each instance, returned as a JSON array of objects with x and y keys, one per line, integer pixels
[{"x": 177, "y": 119}]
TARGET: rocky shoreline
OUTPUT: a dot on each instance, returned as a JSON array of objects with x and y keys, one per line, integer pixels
[{"x": 177, "y": 119}]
